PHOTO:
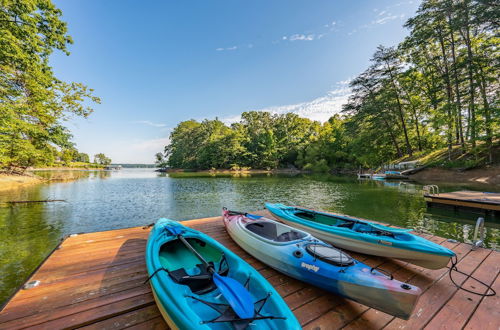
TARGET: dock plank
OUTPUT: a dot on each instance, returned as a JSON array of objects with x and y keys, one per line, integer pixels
[
  {"x": 487, "y": 315},
  {"x": 96, "y": 281},
  {"x": 455, "y": 313}
]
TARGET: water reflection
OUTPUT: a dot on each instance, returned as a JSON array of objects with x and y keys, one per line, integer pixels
[{"x": 102, "y": 200}]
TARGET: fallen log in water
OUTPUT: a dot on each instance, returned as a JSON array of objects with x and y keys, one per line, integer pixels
[{"x": 38, "y": 201}]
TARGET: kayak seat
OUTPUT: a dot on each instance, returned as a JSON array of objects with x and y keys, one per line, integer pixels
[
  {"x": 362, "y": 228},
  {"x": 265, "y": 229},
  {"x": 200, "y": 283},
  {"x": 289, "y": 236},
  {"x": 330, "y": 255},
  {"x": 305, "y": 215},
  {"x": 348, "y": 225}
]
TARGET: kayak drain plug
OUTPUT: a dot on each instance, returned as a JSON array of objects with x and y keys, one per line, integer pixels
[
  {"x": 297, "y": 254},
  {"x": 405, "y": 286}
]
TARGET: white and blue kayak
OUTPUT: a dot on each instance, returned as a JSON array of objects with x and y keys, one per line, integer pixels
[
  {"x": 199, "y": 284},
  {"x": 301, "y": 256},
  {"x": 364, "y": 236}
]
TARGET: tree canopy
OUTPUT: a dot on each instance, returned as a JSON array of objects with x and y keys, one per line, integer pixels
[{"x": 33, "y": 102}]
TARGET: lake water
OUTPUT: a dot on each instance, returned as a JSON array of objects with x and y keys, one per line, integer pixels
[{"x": 133, "y": 197}]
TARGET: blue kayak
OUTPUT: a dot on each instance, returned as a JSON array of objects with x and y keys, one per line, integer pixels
[
  {"x": 198, "y": 283},
  {"x": 299, "y": 255},
  {"x": 364, "y": 236}
]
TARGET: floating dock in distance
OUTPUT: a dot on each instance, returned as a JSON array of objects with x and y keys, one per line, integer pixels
[
  {"x": 96, "y": 281},
  {"x": 484, "y": 201}
]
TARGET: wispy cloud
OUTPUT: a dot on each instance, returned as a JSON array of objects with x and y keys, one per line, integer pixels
[
  {"x": 320, "y": 109},
  {"x": 300, "y": 37},
  {"x": 382, "y": 16},
  {"x": 149, "y": 123},
  {"x": 235, "y": 47},
  {"x": 220, "y": 49},
  {"x": 387, "y": 18}
]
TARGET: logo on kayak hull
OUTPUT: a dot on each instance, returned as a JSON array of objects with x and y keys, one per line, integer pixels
[{"x": 309, "y": 267}]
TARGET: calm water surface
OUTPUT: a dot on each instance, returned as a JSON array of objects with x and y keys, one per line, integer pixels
[{"x": 134, "y": 197}]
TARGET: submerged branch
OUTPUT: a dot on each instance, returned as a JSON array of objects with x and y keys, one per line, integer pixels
[{"x": 38, "y": 201}]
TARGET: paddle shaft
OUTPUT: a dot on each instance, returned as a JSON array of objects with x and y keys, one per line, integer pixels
[
  {"x": 192, "y": 249},
  {"x": 236, "y": 294}
]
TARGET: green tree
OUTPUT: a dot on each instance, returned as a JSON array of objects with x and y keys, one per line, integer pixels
[
  {"x": 33, "y": 102},
  {"x": 101, "y": 159},
  {"x": 81, "y": 157}
]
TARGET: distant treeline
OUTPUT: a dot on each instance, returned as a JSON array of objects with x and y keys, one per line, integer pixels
[
  {"x": 137, "y": 165},
  {"x": 439, "y": 88}
]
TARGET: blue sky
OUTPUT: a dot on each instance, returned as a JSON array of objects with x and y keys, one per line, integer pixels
[{"x": 156, "y": 63}]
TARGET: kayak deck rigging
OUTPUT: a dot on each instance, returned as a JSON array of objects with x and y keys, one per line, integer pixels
[{"x": 348, "y": 223}]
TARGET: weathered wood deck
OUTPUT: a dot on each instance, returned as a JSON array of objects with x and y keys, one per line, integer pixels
[
  {"x": 467, "y": 199},
  {"x": 96, "y": 281}
]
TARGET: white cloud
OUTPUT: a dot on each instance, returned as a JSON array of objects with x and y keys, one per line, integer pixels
[
  {"x": 320, "y": 109},
  {"x": 227, "y": 48},
  {"x": 387, "y": 18},
  {"x": 150, "y": 123},
  {"x": 302, "y": 37}
]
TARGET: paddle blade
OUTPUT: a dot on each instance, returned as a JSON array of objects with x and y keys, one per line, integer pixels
[
  {"x": 174, "y": 230},
  {"x": 253, "y": 216},
  {"x": 236, "y": 295}
]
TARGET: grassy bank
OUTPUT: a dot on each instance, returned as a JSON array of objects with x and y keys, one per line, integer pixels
[
  {"x": 13, "y": 181},
  {"x": 9, "y": 180}
]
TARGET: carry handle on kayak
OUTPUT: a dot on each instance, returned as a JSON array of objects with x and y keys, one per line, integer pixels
[
  {"x": 385, "y": 272},
  {"x": 235, "y": 293}
]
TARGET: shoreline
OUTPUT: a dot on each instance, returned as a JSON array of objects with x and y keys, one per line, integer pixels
[
  {"x": 15, "y": 181},
  {"x": 481, "y": 176},
  {"x": 485, "y": 176},
  {"x": 65, "y": 168},
  {"x": 10, "y": 181},
  {"x": 226, "y": 171}
]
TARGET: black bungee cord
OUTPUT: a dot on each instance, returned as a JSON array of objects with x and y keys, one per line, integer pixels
[{"x": 453, "y": 267}]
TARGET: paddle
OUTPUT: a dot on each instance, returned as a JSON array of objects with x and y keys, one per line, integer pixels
[
  {"x": 235, "y": 293},
  {"x": 248, "y": 215}
]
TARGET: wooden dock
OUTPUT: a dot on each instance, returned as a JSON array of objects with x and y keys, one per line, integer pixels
[
  {"x": 484, "y": 201},
  {"x": 96, "y": 281}
]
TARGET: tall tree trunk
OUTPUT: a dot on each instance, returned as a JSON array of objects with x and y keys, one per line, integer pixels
[
  {"x": 449, "y": 96},
  {"x": 458, "y": 102},
  {"x": 458, "y": 105},
  {"x": 470, "y": 65},
  {"x": 487, "y": 114},
  {"x": 400, "y": 111},
  {"x": 393, "y": 138},
  {"x": 389, "y": 128}
]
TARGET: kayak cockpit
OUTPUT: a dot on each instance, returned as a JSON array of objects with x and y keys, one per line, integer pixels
[
  {"x": 330, "y": 255},
  {"x": 185, "y": 269},
  {"x": 353, "y": 224},
  {"x": 274, "y": 231}
]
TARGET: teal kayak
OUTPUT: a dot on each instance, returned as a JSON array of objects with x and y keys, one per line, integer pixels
[
  {"x": 190, "y": 274},
  {"x": 364, "y": 236}
]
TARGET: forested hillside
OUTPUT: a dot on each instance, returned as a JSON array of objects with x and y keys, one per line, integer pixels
[{"x": 439, "y": 88}]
